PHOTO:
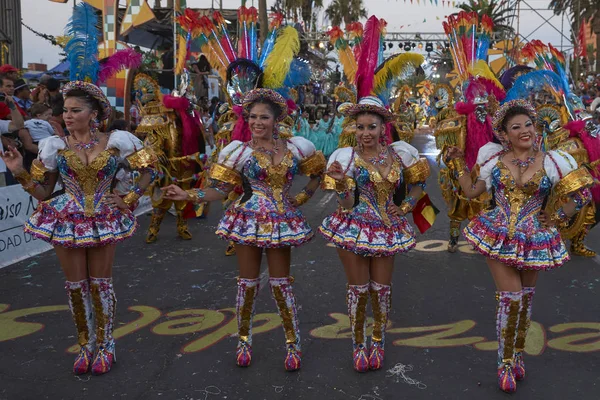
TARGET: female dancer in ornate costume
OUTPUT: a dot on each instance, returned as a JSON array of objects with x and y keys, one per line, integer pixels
[
  {"x": 87, "y": 219},
  {"x": 265, "y": 216},
  {"x": 368, "y": 228},
  {"x": 518, "y": 235}
]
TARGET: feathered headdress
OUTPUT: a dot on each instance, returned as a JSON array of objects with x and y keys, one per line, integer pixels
[
  {"x": 469, "y": 40},
  {"x": 379, "y": 78},
  {"x": 245, "y": 69},
  {"x": 345, "y": 54},
  {"x": 375, "y": 79},
  {"x": 82, "y": 49}
]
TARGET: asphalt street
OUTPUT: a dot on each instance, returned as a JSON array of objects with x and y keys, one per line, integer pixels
[{"x": 176, "y": 324}]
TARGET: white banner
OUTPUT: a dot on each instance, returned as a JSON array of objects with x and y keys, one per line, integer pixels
[{"x": 16, "y": 206}]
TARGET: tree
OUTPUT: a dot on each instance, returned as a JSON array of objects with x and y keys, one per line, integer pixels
[
  {"x": 583, "y": 11},
  {"x": 263, "y": 20},
  {"x": 499, "y": 11},
  {"x": 299, "y": 10},
  {"x": 346, "y": 11}
]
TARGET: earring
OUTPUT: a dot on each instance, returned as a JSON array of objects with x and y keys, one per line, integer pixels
[{"x": 94, "y": 125}]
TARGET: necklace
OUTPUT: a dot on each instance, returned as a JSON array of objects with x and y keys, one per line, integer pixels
[
  {"x": 86, "y": 146},
  {"x": 270, "y": 152},
  {"x": 523, "y": 164},
  {"x": 381, "y": 158}
]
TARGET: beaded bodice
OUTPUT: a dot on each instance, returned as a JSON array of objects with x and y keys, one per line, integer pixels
[
  {"x": 268, "y": 181},
  {"x": 376, "y": 192},
  {"x": 519, "y": 204},
  {"x": 87, "y": 184}
]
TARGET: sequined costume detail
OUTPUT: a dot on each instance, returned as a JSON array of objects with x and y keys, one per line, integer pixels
[
  {"x": 245, "y": 308},
  {"x": 507, "y": 318},
  {"x": 381, "y": 303},
  {"x": 282, "y": 291},
  {"x": 263, "y": 216},
  {"x": 80, "y": 304},
  {"x": 357, "y": 299},
  {"x": 511, "y": 232},
  {"x": 522, "y": 329},
  {"x": 368, "y": 229},
  {"x": 79, "y": 217},
  {"x": 104, "y": 303}
]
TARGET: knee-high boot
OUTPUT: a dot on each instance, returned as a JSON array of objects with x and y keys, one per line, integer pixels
[
  {"x": 247, "y": 290},
  {"x": 507, "y": 319},
  {"x": 381, "y": 303},
  {"x": 524, "y": 323},
  {"x": 104, "y": 303},
  {"x": 357, "y": 299},
  {"x": 282, "y": 291},
  {"x": 80, "y": 304}
]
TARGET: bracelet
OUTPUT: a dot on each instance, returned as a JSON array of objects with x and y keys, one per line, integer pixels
[
  {"x": 138, "y": 190},
  {"x": 560, "y": 218},
  {"x": 301, "y": 198},
  {"x": 131, "y": 198},
  {"x": 12, "y": 105},
  {"x": 343, "y": 195},
  {"x": 24, "y": 178},
  {"x": 458, "y": 166},
  {"x": 195, "y": 196}
]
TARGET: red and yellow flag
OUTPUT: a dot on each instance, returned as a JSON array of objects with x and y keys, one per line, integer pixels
[{"x": 424, "y": 213}]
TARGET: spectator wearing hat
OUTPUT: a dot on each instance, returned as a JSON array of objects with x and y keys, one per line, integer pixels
[
  {"x": 9, "y": 71},
  {"x": 22, "y": 96}
]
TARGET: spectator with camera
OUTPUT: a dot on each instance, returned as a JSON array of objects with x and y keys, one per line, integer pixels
[{"x": 8, "y": 126}]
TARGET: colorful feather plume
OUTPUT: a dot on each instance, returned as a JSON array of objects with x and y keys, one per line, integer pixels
[
  {"x": 247, "y": 44},
  {"x": 483, "y": 40},
  {"x": 122, "y": 59},
  {"x": 482, "y": 69},
  {"x": 271, "y": 37},
  {"x": 82, "y": 49},
  {"x": 535, "y": 81},
  {"x": 278, "y": 63},
  {"x": 224, "y": 38},
  {"x": 508, "y": 77},
  {"x": 369, "y": 57},
  {"x": 391, "y": 71},
  {"x": 355, "y": 32},
  {"x": 299, "y": 74},
  {"x": 345, "y": 55}
]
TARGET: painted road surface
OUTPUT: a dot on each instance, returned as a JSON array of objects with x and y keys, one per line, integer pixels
[{"x": 176, "y": 325}]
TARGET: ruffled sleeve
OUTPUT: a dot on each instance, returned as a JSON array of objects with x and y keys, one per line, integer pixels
[
  {"x": 345, "y": 156},
  {"x": 486, "y": 160},
  {"x": 407, "y": 153},
  {"x": 48, "y": 149},
  {"x": 559, "y": 164},
  {"x": 125, "y": 142},
  {"x": 234, "y": 155},
  {"x": 312, "y": 162},
  {"x": 132, "y": 150},
  {"x": 415, "y": 169},
  {"x": 230, "y": 163}
]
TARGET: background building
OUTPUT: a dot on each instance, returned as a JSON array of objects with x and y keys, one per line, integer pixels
[{"x": 10, "y": 27}]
